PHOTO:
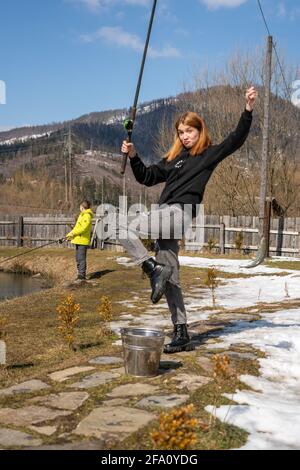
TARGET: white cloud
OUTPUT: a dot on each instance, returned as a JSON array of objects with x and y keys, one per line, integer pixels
[
  {"x": 92, "y": 5},
  {"x": 166, "y": 51},
  {"x": 116, "y": 36},
  {"x": 295, "y": 13},
  {"x": 281, "y": 9},
  {"x": 214, "y": 4},
  {"x": 142, "y": 3},
  {"x": 97, "y": 5},
  {"x": 285, "y": 12}
]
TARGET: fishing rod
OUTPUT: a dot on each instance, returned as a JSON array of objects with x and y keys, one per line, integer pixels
[
  {"x": 129, "y": 123},
  {"x": 60, "y": 240}
]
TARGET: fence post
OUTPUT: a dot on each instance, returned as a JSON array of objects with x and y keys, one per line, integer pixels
[
  {"x": 2, "y": 352},
  {"x": 222, "y": 238},
  {"x": 267, "y": 224},
  {"x": 20, "y": 232}
]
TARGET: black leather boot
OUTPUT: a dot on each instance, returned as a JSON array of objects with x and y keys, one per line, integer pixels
[
  {"x": 159, "y": 274},
  {"x": 180, "y": 341}
]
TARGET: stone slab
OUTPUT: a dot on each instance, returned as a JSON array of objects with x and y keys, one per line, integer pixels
[
  {"x": 45, "y": 430},
  {"x": 113, "y": 422},
  {"x": 104, "y": 360},
  {"x": 95, "y": 380},
  {"x": 132, "y": 390},
  {"x": 29, "y": 415},
  {"x": 64, "y": 400},
  {"x": 191, "y": 381},
  {"x": 12, "y": 438},
  {"x": 62, "y": 375},
  {"x": 24, "y": 387},
  {"x": 116, "y": 402},
  {"x": 163, "y": 401}
]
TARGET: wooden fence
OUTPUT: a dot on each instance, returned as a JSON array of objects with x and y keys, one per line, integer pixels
[
  {"x": 222, "y": 234},
  {"x": 225, "y": 234}
]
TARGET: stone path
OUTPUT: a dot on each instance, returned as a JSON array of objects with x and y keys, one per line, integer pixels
[
  {"x": 97, "y": 403},
  {"x": 124, "y": 409}
]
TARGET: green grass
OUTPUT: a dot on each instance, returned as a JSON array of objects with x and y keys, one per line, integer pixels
[{"x": 293, "y": 265}]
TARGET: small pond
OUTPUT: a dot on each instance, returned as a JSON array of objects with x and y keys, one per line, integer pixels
[{"x": 16, "y": 285}]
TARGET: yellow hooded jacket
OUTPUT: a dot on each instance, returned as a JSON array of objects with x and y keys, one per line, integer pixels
[{"x": 81, "y": 233}]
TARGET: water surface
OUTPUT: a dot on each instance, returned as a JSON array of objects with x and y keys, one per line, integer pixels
[{"x": 16, "y": 285}]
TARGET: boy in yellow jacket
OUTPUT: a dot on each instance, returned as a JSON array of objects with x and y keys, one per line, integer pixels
[{"x": 80, "y": 237}]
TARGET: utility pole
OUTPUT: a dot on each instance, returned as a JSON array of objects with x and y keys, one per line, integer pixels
[
  {"x": 66, "y": 178},
  {"x": 70, "y": 165},
  {"x": 263, "y": 222},
  {"x": 31, "y": 154}
]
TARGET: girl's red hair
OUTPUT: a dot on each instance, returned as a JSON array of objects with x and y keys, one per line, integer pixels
[{"x": 204, "y": 141}]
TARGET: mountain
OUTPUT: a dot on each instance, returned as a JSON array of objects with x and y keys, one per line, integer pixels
[
  {"x": 97, "y": 130},
  {"x": 94, "y": 140}
]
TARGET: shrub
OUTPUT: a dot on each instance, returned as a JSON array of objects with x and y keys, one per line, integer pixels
[
  {"x": 67, "y": 315},
  {"x": 176, "y": 430}
]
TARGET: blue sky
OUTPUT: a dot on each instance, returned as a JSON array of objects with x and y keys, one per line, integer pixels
[{"x": 60, "y": 59}]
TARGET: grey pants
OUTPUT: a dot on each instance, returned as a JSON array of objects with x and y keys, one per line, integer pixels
[
  {"x": 167, "y": 253},
  {"x": 81, "y": 251},
  {"x": 167, "y": 225}
]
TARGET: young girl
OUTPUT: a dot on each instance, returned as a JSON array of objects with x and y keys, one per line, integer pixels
[
  {"x": 186, "y": 170},
  {"x": 80, "y": 237}
]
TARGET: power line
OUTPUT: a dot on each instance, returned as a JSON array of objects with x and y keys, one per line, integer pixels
[
  {"x": 275, "y": 49},
  {"x": 264, "y": 18}
]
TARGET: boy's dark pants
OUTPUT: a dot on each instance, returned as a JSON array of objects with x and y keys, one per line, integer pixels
[{"x": 81, "y": 251}]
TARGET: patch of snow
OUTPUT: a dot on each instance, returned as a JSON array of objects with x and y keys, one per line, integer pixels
[
  {"x": 246, "y": 292},
  {"x": 125, "y": 261},
  {"x": 271, "y": 411},
  {"x": 230, "y": 265},
  {"x": 25, "y": 138}
]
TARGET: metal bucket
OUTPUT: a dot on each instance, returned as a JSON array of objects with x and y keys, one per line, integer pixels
[{"x": 142, "y": 350}]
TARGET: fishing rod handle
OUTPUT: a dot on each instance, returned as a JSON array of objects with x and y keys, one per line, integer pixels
[
  {"x": 124, "y": 163},
  {"x": 125, "y": 156}
]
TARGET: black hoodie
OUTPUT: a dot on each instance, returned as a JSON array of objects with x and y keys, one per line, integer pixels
[{"x": 186, "y": 176}]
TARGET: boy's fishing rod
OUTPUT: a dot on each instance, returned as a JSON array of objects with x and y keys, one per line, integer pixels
[
  {"x": 129, "y": 123},
  {"x": 60, "y": 240}
]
